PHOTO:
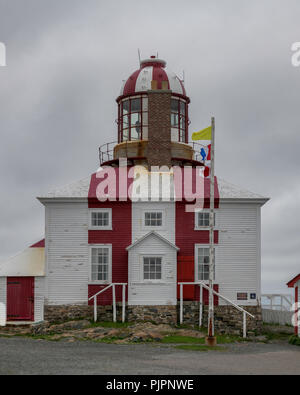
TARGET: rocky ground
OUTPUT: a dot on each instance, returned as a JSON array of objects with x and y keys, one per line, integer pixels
[
  {"x": 85, "y": 330},
  {"x": 129, "y": 332}
]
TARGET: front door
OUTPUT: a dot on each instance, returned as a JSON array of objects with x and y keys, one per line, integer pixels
[{"x": 20, "y": 298}]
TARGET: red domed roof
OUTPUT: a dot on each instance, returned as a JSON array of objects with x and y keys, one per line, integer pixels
[{"x": 152, "y": 69}]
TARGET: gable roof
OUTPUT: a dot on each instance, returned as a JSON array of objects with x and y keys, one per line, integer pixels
[
  {"x": 292, "y": 282},
  {"x": 228, "y": 190},
  {"x": 81, "y": 189},
  {"x": 152, "y": 233}
]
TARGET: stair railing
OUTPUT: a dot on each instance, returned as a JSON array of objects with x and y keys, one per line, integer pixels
[
  {"x": 113, "y": 286},
  {"x": 202, "y": 285}
]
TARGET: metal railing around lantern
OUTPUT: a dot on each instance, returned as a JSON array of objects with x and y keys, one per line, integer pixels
[{"x": 106, "y": 151}]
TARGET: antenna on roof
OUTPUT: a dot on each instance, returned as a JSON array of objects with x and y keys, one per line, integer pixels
[
  {"x": 183, "y": 76},
  {"x": 157, "y": 54},
  {"x": 139, "y": 55}
]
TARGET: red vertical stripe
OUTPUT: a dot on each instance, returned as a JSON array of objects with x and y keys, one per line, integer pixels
[
  {"x": 160, "y": 75},
  {"x": 296, "y": 310}
]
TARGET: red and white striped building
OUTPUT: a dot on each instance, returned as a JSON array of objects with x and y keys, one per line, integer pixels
[{"x": 151, "y": 245}]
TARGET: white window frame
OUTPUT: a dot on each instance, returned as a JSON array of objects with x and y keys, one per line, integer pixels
[
  {"x": 197, "y": 246},
  {"x": 196, "y": 226},
  {"x": 109, "y": 277},
  {"x": 100, "y": 210},
  {"x": 163, "y": 219},
  {"x": 150, "y": 281}
]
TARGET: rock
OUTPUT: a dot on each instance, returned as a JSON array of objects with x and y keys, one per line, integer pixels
[
  {"x": 40, "y": 328},
  {"x": 157, "y": 336}
]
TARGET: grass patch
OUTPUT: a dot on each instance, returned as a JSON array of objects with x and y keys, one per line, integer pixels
[
  {"x": 194, "y": 347},
  {"x": 295, "y": 340}
]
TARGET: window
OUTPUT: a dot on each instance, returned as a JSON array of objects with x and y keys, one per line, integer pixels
[
  {"x": 133, "y": 118},
  {"x": 178, "y": 120},
  {"x": 100, "y": 219},
  {"x": 202, "y": 219},
  {"x": 153, "y": 218},
  {"x": 152, "y": 268},
  {"x": 101, "y": 264},
  {"x": 202, "y": 262}
]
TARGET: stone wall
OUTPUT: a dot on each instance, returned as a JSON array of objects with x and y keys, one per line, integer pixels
[
  {"x": 157, "y": 314},
  {"x": 227, "y": 318}
]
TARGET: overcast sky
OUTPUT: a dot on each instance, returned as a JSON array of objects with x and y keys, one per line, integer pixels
[{"x": 66, "y": 60}]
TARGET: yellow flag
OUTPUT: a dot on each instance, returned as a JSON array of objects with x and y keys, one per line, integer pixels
[{"x": 204, "y": 134}]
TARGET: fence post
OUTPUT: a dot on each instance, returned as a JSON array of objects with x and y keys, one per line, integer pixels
[
  {"x": 244, "y": 325},
  {"x": 95, "y": 309},
  {"x": 114, "y": 303},
  {"x": 123, "y": 302},
  {"x": 201, "y": 306},
  {"x": 181, "y": 303}
]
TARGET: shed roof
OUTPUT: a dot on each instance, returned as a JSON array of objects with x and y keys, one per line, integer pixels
[{"x": 30, "y": 262}]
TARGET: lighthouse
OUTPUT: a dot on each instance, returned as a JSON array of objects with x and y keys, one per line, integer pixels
[{"x": 119, "y": 258}]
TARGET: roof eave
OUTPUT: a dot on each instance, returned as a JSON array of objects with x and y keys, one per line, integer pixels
[{"x": 74, "y": 199}]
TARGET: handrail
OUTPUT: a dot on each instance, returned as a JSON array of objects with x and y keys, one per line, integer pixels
[
  {"x": 100, "y": 292},
  {"x": 113, "y": 285},
  {"x": 201, "y": 284}
]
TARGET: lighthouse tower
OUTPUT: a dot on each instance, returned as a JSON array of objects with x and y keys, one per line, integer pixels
[{"x": 152, "y": 120}]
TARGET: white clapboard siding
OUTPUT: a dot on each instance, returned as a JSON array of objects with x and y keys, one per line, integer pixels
[
  {"x": 138, "y": 228},
  {"x": 3, "y": 282},
  {"x": 238, "y": 253},
  {"x": 67, "y": 253},
  {"x": 147, "y": 293},
  {"x": 39, "y": 291}
]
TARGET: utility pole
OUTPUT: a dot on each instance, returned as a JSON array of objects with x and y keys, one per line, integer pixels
[{"x": 211, "y": 340}]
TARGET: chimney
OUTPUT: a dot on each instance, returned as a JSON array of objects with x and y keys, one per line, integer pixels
[{"x": 159, "y": 129}]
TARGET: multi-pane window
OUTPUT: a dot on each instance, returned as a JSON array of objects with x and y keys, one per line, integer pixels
[
  {"x": 100, "y": 263},
  {"x": 100, "y": 219},
  {"x": 203, "y": 263},
  {"x": 202, "y": 219},
  {"x": 152, "y": 268},
  {"x": 153, "y": 218},
  {"x": 178, "y": 120},
  {"x": 133, "y": 118}
]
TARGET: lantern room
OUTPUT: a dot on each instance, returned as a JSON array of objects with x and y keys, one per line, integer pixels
[
  {"x": 133, "y": 119},
  {"x": 153, "y": 120}
]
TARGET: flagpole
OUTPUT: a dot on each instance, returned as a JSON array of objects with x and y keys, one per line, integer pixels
[{"x": 211, "y": 329}]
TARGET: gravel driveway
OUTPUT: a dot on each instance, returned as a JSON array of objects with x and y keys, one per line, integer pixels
[{"x": 27, "y": 356}]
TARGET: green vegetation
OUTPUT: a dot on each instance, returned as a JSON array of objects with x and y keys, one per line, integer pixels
[
  {"x": 194, "y": 347},
  {"x": 295, "y": 340}
]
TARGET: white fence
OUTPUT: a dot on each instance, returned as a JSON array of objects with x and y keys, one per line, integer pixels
[{"x": 277, "y": 316}]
